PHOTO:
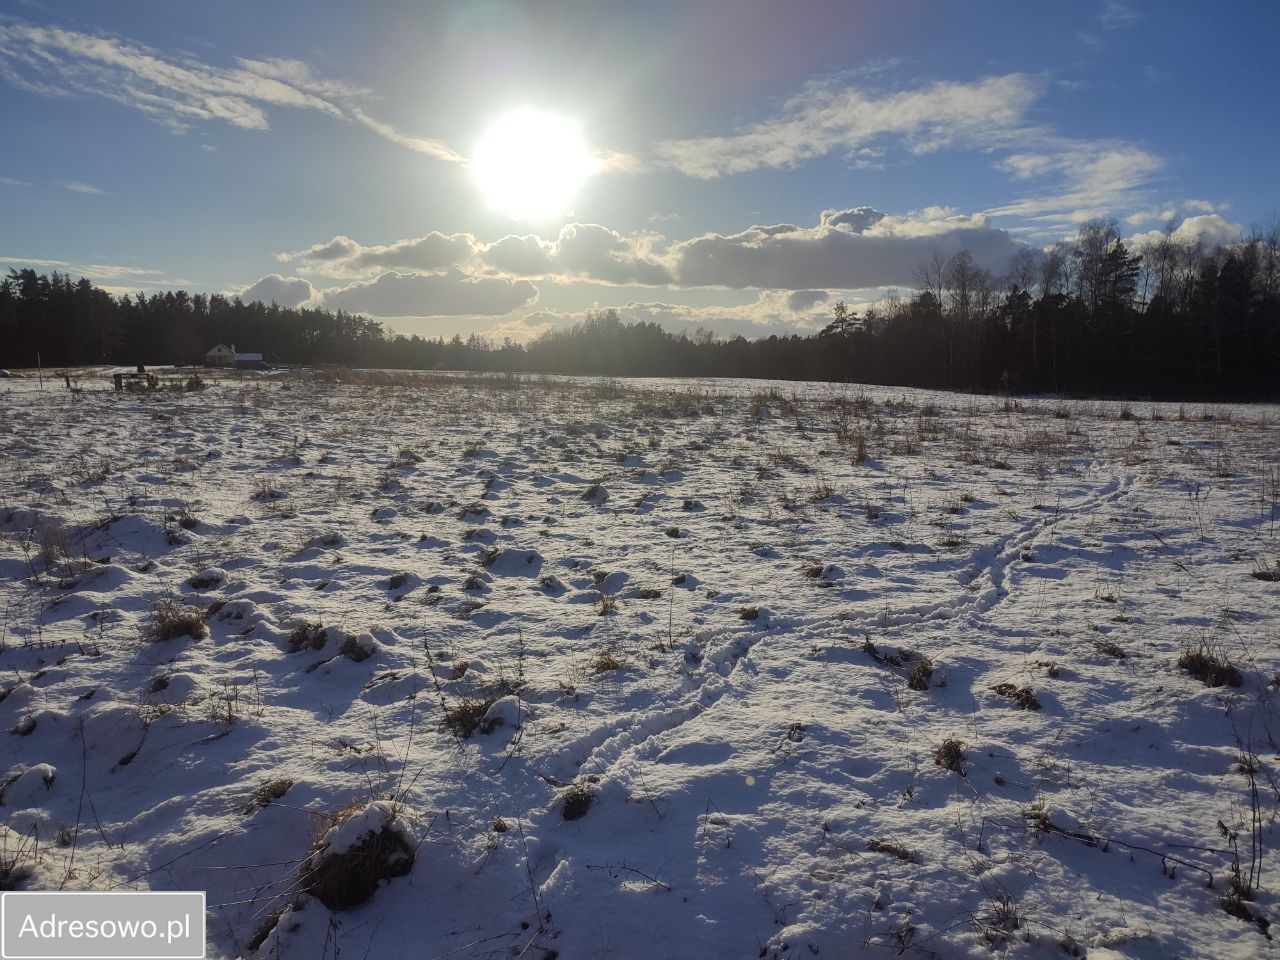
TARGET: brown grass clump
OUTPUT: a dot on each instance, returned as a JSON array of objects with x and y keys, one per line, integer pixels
[
  {"x": 1110, "y": 648},
  {"x": 353, "y": 649},
  {"x": 467, "y": 716},
  {"x": 921, "y": 674},
  {"x": 307, "y": 636},
  {"x": 606, "y": 662},
  {"x": 1024, "y": 698},
  {"x": 170, "y": 619},
  {"x": 897, "y": 849},
  {"x": 1209, "y": 667},
  {"x": 347, "y": 878},
  {"x": 950, "y": 755},
  {"x": 1268, "y": 573},
  {"x": 577, "y": 801},
  {"x": 268, "y": 793}
]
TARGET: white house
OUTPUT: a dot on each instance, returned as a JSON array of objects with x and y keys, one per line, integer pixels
[
  {"x": 220, "y": 356},
  {"x": 223, "y": 356}
]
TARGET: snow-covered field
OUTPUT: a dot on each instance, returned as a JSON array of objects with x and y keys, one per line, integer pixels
[{"x": 283, "y": 635}]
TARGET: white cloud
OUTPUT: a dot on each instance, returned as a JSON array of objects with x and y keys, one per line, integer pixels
[
  {"x": 825, "y": 117},
  {"x": 1098, "y": 178},
  {"x": 177, "y": 91},
  {"x": 772, "y": 312},
  {"x": 77, "y": 186},
  {"x": 1094, "y": 177},
  {"x": 129, "y": 277},
  {"x": 1116, "y": 15},
  {"x": 858, "y": 247},
  {"x": 344, "y": 257},
  {"x": 1147, "y": 216},
  {"x": 889, "y": 252},
  {"x": 11, "y": 182},
  {"x": 430, "y": 295},
  {"x": 288, "y": 292},
  {"x": 1210, "y": 230}
]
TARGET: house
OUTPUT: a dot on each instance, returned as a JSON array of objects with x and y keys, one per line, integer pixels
[
  {"x": 220, "y": 356},
  {"x": 223, "y": 356}
]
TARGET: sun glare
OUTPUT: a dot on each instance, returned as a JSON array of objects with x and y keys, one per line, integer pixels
[{"x": 530, "y": 164}]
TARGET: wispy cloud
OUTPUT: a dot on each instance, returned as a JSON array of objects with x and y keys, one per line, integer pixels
[
  {"x": 130, "y": 277},
  {"x": 178, "y": 91},
  {"x": 1083, "y": 178},
  {"x": 1116, "y": 15},
  {"x": 826, "y": 117},
  {"x": 1094, "y": 179},
  {"x": 77, "y": 186},
  {"x": 11, "y": 182}
]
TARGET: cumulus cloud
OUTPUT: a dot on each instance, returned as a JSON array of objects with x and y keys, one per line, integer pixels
[
  {"x": 288, "y": 292},
  {"x": 857, "y": 247},
  {"x": 589, "y": 250},
  {"x": 856, "y": 219},
  {"x": 772, "y": 312},
  {"x": 889, "y": 252},
  {"x": 450, "y": 294},
  {"x": 344, "y": 257},
  {"x": 1210, "y": 229},
  {"x": 177, "y": 91},
  {"x": 826, "y": 117}
]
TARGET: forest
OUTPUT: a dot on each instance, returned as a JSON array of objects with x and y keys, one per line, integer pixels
[{"x": 1084, "y": 318}]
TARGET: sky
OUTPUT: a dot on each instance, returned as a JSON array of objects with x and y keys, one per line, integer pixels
[{"x": 737, "y": 166}]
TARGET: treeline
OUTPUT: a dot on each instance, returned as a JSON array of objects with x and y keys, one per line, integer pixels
[{"x": 1090, "y": 317}]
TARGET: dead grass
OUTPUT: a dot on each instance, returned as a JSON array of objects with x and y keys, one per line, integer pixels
[
  {"x": 950, "y": 755},
  {"x": 170, "y": 619},
  {"x": 1209, "y": 666},
  {"x": 268, "y": 793},
  {"x": 577, "y": 801},
  {"x": 1024, "y": 698},
  {"x": 307, "y": 636},
  {"x": 344, "y": 880}
]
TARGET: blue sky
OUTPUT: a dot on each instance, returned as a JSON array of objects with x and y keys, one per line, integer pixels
[{"x": 756, "y": 160}]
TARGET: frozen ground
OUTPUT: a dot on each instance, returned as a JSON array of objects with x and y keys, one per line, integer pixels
[{"x": 686, "y": 613}]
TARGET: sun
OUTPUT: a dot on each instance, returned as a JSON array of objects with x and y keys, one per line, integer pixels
[{"x": 530, "y": 164}]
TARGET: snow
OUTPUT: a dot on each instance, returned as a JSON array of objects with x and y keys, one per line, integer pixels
[
  {"x": 349, "y": 832},
  {"x": 667, "y": 599}
]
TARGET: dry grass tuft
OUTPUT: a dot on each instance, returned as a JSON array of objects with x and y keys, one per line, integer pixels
[
  {"x": 1209, "y": 667},
  {"x": 1024, "y": 698},
  {"x": 577, "y": 801},
  {"x": 349, "y": 878},
  {"x": 307, "y": 636},
  {"x": 950, "y": 755},
  {"x": 170, "y": 619},
  {"x": 268, "y": 793}
]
